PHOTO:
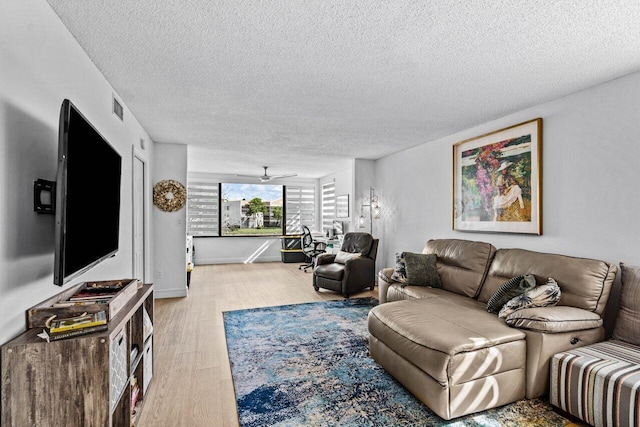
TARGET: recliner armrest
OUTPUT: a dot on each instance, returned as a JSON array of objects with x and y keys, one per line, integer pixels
[
  {"x": 325, "y": 259},
  {"x": 358, "y": 262}
]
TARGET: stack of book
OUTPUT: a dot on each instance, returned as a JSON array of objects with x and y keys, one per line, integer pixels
[
  {"x": 58, "y": 329},
  {"x": 94, "y": 293}
]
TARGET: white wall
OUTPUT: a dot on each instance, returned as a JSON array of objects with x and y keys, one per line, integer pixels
[
  {"x": 233, "y": 250},
  {"x": 40, "y": 65},
  {"x": 170, "y": 228},
  {"x": 591, "y": 153}
]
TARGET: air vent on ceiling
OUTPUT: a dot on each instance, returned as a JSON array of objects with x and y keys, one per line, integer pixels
[{"x": 117, "y": 109}]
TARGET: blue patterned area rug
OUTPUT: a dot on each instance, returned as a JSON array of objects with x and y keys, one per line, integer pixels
[{"x": 308, "y": 365}]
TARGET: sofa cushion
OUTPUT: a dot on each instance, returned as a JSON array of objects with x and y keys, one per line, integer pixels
[
  {"x": 546, "y": 295},
  {"x": 462, "y": 264},
  {"x": 585, "y": 283},
  {"x": 333, "y": 271},
  {"x": 628, "y": 322},
  {"x": 554, "y": 319},
  {"x": 400, "y": 271},
  {"x": 401, "y": 292},
  {"x": 421, "y": 269},
  {"x": 510, "y": 289},
  {"x": 450, "y": 337},
  {"x": 342, "y": 257}
]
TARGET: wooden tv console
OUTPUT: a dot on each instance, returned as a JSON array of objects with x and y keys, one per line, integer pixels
[{"x": 80, "y": 381}]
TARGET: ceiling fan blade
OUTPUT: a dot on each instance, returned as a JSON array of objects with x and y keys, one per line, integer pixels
[
  {"x": 267, "y": 178},
  {"x": 284, "y": 176}
]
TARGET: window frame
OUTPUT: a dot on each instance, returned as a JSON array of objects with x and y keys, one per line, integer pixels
[{"x": 302, "y": 213}]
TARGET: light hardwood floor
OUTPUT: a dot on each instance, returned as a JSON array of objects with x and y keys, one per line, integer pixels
[{"x": 192, "y": 383}]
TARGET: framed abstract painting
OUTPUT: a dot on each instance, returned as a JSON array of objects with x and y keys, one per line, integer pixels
[{"x": 497, "y": 181}]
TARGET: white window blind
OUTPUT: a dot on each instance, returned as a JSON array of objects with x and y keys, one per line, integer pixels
[
  {"x": 300, "y": 208},
  {"x": 202, "y": 208},
  {"x": 328, "y": 205}
]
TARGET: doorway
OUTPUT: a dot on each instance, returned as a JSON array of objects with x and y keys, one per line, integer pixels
[{"x": 139, "y": 256}]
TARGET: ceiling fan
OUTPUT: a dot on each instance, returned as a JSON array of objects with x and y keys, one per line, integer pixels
[{"x": 266, "y": 177}]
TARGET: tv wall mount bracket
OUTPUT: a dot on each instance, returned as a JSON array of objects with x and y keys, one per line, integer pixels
[{"x": 44, "y": 196}]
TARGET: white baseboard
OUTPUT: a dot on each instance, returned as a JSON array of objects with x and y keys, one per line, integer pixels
[
  {"x": 170, "y": 293},
  {"x": 206, "y": 261}
]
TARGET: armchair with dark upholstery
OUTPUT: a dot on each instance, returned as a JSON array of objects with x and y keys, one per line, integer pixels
[{"x": 351, "y": 275}]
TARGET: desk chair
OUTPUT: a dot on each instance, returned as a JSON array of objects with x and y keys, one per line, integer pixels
[{"x": 310, "y": 248}]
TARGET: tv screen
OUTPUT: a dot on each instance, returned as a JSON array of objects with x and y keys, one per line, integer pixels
[{"x": 87, "y": 196}]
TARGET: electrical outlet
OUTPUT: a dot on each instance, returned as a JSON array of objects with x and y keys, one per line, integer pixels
[{"x": 159, "y": 274}]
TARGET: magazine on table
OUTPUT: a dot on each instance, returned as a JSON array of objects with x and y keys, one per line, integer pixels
[{"x": 85, "y": 320}]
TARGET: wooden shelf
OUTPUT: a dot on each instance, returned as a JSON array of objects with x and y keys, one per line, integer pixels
[{"x": 84, "y": 380}]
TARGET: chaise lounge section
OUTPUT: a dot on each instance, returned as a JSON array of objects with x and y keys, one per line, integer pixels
[{"x": 446, "y": 348}]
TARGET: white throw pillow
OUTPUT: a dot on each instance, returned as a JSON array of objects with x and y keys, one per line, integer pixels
[
  {"x": 342, "y": 257},
  {"x": 546, "y": 295}
]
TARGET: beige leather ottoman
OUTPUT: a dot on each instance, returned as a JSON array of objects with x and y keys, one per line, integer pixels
[{"x": 449, "y": 352}]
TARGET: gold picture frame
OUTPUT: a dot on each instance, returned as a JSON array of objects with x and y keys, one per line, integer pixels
[{"x": 497, "y": 181}]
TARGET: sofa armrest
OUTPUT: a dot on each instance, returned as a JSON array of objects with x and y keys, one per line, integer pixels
[
  {"x": 384, "y": 281},
  {"x": 325, "y": 259},
  {"x": 554, "y": 319},
  {"x": 385, "y": 274}
]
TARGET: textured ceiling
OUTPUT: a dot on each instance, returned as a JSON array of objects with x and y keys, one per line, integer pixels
[{"x": 303, "y": 86}]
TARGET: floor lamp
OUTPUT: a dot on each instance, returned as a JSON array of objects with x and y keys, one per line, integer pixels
[{"x": 374, "y": 210}]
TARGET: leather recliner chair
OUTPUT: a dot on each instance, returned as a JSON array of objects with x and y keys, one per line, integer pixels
[{"x": 352, "y": 275}]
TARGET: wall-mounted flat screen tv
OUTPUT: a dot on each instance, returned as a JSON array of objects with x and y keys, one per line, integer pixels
[{"x": 87, "y": 196}]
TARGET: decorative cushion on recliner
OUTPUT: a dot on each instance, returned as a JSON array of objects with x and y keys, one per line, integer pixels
[
  {"x": 627, "y": 326},
  {"x": 400, "y": 271},
  {"x": 509, "y": 290},
  {"x": 421, "y": 269},
  {"x": 342, "y": 257},
  {"x": 546, "y": 295}
]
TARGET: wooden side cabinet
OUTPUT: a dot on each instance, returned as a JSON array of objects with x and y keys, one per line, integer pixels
[{"x": 99, "y": 379}]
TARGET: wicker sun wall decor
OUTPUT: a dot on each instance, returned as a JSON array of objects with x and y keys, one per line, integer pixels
[{"x": 169, "y": 195}]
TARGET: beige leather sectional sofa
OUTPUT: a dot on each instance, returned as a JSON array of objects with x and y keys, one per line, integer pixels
[{"x": 446, "y": 348}]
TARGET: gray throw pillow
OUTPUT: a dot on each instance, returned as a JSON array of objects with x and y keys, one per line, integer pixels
[
  {"x": 509, "y": 289},
  {"x": 421, "y": 269},
  {"x": 400, "y": 271},
  {"x": 628, "y": 323}
]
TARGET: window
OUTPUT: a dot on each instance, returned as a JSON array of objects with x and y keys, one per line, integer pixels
[
  {"x": 229, "y": 209},
  {"x": 328, "y": 205},
  {"x": 251, "y": 209},
  {"x": 202, "y": 208},
  {"x": 300, "y": 208}
]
